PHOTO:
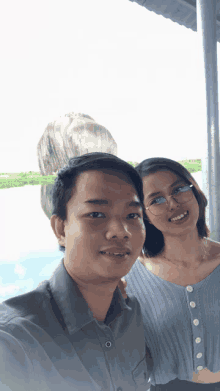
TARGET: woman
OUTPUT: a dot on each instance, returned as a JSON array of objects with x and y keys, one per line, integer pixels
[{"x": 177, "y": 281}]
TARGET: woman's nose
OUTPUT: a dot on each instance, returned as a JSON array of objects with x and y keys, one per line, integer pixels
[{"x": 172, "y": 203}]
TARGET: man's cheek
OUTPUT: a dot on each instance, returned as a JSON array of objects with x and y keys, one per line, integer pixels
[
  {"x": 93, "y": 242},
  {"x": 74, "y": 230}
]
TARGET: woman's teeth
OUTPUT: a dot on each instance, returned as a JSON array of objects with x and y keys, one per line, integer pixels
[{"x": 179, "y": 217}]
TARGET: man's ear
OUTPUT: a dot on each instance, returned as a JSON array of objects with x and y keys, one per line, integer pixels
[{"x": 58, "y": 228}]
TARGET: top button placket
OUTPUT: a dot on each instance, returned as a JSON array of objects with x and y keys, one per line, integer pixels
[
  {"x": 108, "y": 345},
  {"x": 197, "y": 329},
  {"x": 106, "y": 337}
]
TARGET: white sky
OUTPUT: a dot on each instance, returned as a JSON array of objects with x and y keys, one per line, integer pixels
[{"x": 136, "y": 73}]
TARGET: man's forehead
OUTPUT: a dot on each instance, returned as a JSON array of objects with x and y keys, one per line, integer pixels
[
  {"x": 99, "y": 184},
  {"x": 94, "y": 177}
]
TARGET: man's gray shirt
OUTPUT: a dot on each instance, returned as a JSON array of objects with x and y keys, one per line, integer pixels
[{"x": 49, "y": 340}]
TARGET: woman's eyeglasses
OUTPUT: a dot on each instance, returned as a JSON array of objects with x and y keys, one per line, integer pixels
[{"x": 182, "y": 194}]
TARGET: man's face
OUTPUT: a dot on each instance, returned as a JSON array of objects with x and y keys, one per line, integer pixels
[{"x": 103, "y": 215}]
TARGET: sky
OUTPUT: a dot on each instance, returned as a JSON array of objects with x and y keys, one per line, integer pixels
[{"x": 136, "y": 73}]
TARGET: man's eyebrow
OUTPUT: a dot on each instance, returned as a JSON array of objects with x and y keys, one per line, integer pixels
[
  {"x": 105, "y": 202},
  {"x": 174, "y": 183},
  {"x": 136, "y": 204},
  {"x": 96, "y": 202}
]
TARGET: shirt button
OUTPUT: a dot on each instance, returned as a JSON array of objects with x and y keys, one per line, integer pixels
[
  {"x": 198, "y": 340},
  {"x": 199, "y": 355},
  {"x": 200, "y": 367},
  {"x": 196, "y": 322},
  {"x": 189, "y": 288},
  {"x": 108, "y": 344},
  {"x": 192, "y": 304}
]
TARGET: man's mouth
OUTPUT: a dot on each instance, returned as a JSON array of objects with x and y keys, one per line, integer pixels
[{"x": 120, "y": 255}]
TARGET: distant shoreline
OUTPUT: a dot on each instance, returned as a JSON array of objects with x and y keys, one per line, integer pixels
[{"x": 9, "y": 180}]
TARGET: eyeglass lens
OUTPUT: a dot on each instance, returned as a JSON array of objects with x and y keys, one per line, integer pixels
[{"x": 180, "y": 197}]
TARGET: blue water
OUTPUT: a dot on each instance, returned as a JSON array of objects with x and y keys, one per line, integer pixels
[
  {"x": 29, "y": 250},
  {"x": 33, "y": 268}
]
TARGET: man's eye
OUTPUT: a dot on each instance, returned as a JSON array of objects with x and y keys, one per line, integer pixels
[
  {"x": 134, "y": 215},
  {"x": 95, "y": 214}
]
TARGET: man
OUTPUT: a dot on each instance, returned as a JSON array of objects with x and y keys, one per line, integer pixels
[{"x": 76, "y": 331}]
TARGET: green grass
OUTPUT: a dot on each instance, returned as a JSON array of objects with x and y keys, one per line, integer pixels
[
  {"x": 193, "y": 165},
  {"x": 35, "y": 178},
  {"x": 25, "y": 178}
]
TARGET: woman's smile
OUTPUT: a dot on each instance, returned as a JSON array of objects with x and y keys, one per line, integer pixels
[{"x": 180, "y": 218}]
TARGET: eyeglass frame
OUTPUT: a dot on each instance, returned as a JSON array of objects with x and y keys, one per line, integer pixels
[{"x": 167, "y": 200}]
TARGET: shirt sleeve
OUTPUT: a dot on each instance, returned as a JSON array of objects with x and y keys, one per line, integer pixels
[
  {"x": 149, "y": 361},
  {"x": 15, "y": 367}
]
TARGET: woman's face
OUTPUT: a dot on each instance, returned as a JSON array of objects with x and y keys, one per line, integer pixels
[{"x": 164, "y": 183}]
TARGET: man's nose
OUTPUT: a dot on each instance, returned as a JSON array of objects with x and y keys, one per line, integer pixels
[{"x": 117, "y": 229}]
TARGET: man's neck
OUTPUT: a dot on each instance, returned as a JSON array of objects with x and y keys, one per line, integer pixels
[
  {"x": 96, "y": 291},
  {"x": 98, "y": 299}
]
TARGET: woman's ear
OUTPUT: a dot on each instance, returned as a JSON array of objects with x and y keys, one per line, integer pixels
[
  {"x": 147, "y": 218},
  {"x": 148, "y": 221},
  {"x": 141, "y": 254}
]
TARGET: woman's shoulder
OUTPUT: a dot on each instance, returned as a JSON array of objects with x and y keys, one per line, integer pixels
[{"x": 213, "y": 250}]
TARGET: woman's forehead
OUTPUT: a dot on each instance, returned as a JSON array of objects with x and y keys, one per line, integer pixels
[
  {"x": 160, "y": 180},
  {"x": 162, "y": 176}
]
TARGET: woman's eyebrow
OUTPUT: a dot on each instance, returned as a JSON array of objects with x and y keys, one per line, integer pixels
[{"x": 174, "y": 183}]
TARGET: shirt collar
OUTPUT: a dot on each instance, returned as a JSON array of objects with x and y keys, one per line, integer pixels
[{"x": 72, "y": 304}]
